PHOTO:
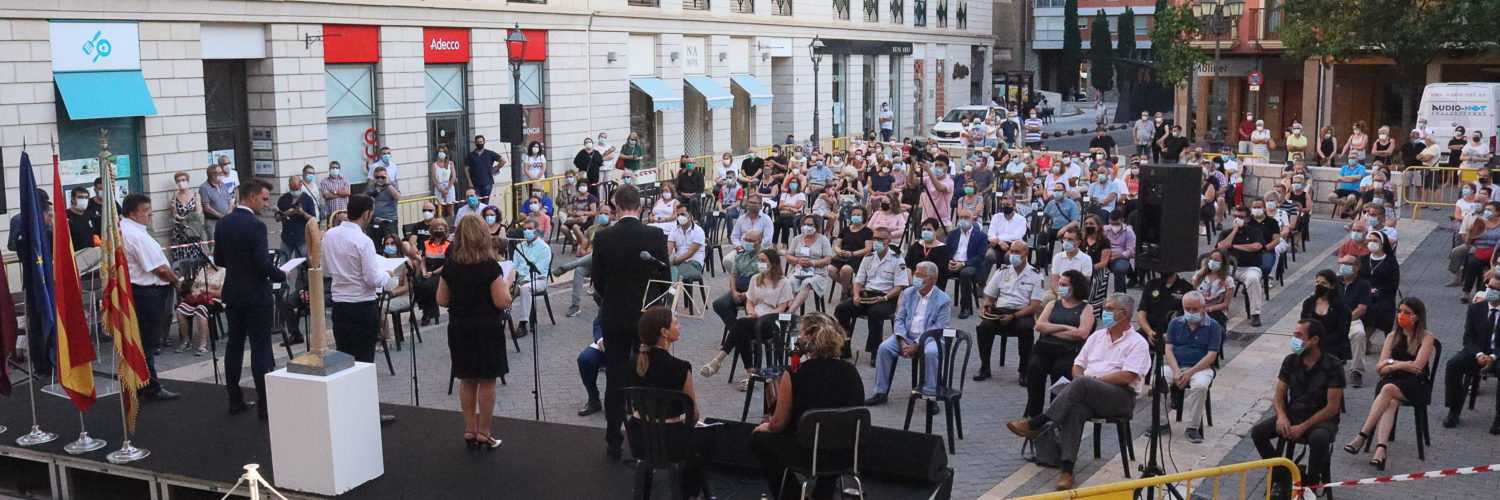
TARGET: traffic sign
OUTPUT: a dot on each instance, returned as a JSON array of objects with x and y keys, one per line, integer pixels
[{"x": 1255, "y": 78}]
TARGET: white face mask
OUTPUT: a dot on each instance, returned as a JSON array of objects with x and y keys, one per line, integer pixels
[
  {"x": 81, "y": 203},
  {"x": 762, "y": 266},
  {"x": 182, "y": 185},
  {"x": 426, "y": 214}
]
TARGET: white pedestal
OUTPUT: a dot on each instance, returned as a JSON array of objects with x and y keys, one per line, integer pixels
[{"x": 325, "y": 431}]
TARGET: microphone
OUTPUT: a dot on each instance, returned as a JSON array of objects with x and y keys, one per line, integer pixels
[{"x": 646, "y": 256}]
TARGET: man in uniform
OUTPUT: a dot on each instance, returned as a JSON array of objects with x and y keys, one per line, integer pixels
[
  {"x": 1012, "y": 297},
  {"x": 877, "y": 286}
]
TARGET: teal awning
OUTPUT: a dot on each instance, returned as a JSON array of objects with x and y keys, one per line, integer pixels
[
  {"x": 760, "y": 95},
  {"x": 663, "y": 98},
  {"x": 716, "y": 95},
  {"x": 104, "y": 94}
]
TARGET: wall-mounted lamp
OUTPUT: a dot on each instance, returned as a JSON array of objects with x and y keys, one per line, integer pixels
[
  {"x": 611, "y": 57},
  {"x": 674, "y": 56}
]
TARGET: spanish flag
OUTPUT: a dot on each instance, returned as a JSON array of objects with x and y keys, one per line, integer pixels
[
  {"x": 75, "y": 350},
  {"x": 119, "y": 308}
]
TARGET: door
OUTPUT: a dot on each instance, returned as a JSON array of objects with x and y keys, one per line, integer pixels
[
  {"x": 225, "y": 111},
  {"x": 450, "y": 131},
  {"x": 741, "y": 121},
  {"x": 1291, "y": 104},
  {"x": 870, "y": 106},
  {"x": 840, "y": 83}
]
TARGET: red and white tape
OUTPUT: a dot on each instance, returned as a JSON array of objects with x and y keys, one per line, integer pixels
[
  {"x": 202, "y": 243},
  {"x": 1413, "y": 477}
]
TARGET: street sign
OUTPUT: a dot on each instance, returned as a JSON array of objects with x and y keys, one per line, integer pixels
[{"x": 1255, "y": 79}]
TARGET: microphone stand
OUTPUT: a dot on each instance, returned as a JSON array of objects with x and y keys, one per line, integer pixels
[
  {"x": 411, "y": 316},
  {"x": 536, "y": 373}
]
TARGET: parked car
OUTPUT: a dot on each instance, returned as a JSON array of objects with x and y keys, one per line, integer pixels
[{"x": 948, "y": 130}]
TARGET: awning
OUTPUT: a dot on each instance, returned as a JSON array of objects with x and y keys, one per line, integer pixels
[
  {"x": 760, "y": 95},
  {"x": 104, "y": 94},
  {"x": 663, "y": 98},
  {"x": 716, "y": 95}
]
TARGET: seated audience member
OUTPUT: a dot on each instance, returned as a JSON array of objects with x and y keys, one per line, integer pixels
[
  {"x": 770, "y": 294},
  {"x": 891, "y": 216},
  {"x": 1217, "y": 286},
  {"x": 876, "y": 287},
  {"x": 1270, "y": 230},
  {"x": 1070, "y": 258},
  {"x": 741, "y": 269},
  {"x": 590, "y": 362},
  {"x": 581, "y": 210},
  {"x": 1005, "y": 227},
  {"x": 1346, "y": 196},
  {"x": 809, "y": 259},
  {"x": 538, "y": 209},
  {"x": 1012, "y": 297},
  {"x": 400, "y": 297},
  {"x": 531, "y": 272},
  {"x": 1061, "y": 329},
  {"x": 1309, "y": 392},
  {"x": 1383, "y": 272},
  {"x": 1098, "y": 248},
  {"x": 1245, "y": 242},
  {"x": 923, "y": 306},
  {"x": 656, "y": 368},
  {"x": 1062, "y": 209},
  {"x": 1327, "y": 306},
  {"x": 968, "y": 243},
  {"x": 1402, "y": 369},
  {"x": 1161, "y": 299},
  {"x": 1466, "y": 210},
  {"x": 1477, "y": 356},
  {"x": 853, "y": 245},
  {"x": 1354, "y": 292},
  {"x": 820, "y": 381},
  {"x": 1107, "y": 375},
  {"x": 1121, "y": 248},
  {"x": 930, "y": 247},
  {"x": 434, "y": 254},
  {"x": 1376, "y": 222},
  {"x": 492, "y": 223},
  {"x": 1482, "y": 238},
  {"x": 584, "y": 254},
  {"x": 204, "y": 292},
  {"x": 686, "y": 243},
  {"x": 1193, "y": 344},
  {"x": 418, "y": 232}
]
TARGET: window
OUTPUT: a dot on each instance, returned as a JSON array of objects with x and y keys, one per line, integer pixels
[
  {"x": 350, "y": 103},
  {"x": 445, "y": 88},
  {"x": 942, "y": 13},
  {"x": 872, "y": 11},
  {"x": 781, "y": 7},
  {"x": 644, "y": 3},
  {"x": 919, "y": 13},
  {"x": 78, "y": 150},
  {"x": 841, "y": 10},
  {"x": 898, "y": 11},
  {"x": 694, "y": 4},
  {"x": 744, "y": 6},
  {"x": 963, "y": 17},
  {"x": 528, "y": 1}
]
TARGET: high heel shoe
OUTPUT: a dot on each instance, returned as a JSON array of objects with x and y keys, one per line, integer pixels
[
  {"x": 1378, "y": 463},
  {"x": 487, "y": 442},
  {"x": 470, "y": 441},
  {"x": 1354, "y": 450}
]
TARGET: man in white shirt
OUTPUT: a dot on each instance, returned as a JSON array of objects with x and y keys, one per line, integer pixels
[
  {"x": 471, "y": 206},
  {"x": 231, "y": 177},
  {"x": 887, "y": 122},
  {"x": 1070, "y": 259},
  {"x": 383, "y": 161},
  {"x": 151, "y": 285},
  {"x": 685, "y": 243},
  {"x": 350, "y": 261},
  {"x": 1006, "y": 226}
]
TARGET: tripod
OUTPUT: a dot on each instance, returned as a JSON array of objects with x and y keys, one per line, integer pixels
[
  {"x": 536, "y": 372},
  {"x": 1153, "y": 468}
]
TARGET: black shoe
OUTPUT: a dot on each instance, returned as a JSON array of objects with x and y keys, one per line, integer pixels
[
  {"x": 1451, "y": 420},
  {"x": 590, "y": 408},
  {"x": 1356, "y": 380},
  {"x": 878, "y": 399},
  {"x": 983, "y": 375},
  {"x": 240, "y": 407},
  {"x": 614, "y": 451},
  {"x": 160, "y": 394},
  {"x": 933, "y": 408},
  {"x": 387, "y": 420},
  {"x": 964, "y": 313},
  {"x": 426, "y": 321},
  {"x": 872, "y": 360},
  {"x": 521, "y": 331},
  {"x": 1495, "y": 426},
  {"x": 1023, "y": 380},
  {"x": 1255, "y": 320},
  {"x": 293, "y": 340}
]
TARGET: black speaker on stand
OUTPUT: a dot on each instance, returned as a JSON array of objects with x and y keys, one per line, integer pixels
[
  {"x": 512, "y": 123},
  {"x": 1167, "y": 235}
]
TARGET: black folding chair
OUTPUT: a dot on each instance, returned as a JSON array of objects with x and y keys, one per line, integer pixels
[
  {"x": 772, "y": 351},
  {"x": 828, "y": 431},
  {"x": 660, "y": 430},
  {"x": 948, "y": 341},
  {"x": 1424, "y": 435}
]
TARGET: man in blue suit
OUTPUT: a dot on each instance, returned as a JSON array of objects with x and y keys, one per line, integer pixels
[
  {"x": 923, "y": 307},
  {"x": 240, "y": 247},
  {"x": 969, "y": 243}
]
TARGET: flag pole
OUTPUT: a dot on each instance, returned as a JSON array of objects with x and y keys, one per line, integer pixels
[
  {"x": 127, "y": 453},
  {"x": 36, "y": 436},
  {"x": 85, "y": 443}
]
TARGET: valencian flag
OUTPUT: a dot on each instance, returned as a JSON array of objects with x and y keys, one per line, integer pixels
[
  {"x": 75, "y": 350},
  {"x": 119, "y": 308}
]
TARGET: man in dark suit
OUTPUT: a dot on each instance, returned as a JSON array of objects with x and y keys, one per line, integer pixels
[
  {"x": 240, "y": 247},
  {"x": 618, "y": 248},
  {"x": 1481, "y": 341},
  {"x": 968, "y": 242}
]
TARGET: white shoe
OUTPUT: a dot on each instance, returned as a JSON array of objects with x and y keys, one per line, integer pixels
[{"x": 712, "y": 367}]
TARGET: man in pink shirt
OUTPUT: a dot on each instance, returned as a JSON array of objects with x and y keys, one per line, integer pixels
[
  {"x": 937, "y": 194},
  {"x": 1107, "y": 374}
]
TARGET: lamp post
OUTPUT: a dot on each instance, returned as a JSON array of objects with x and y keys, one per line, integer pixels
[
  {"x": 812, "y": 52},
  {"x": 1219, "y": 17},
  {"x": 515, "y": 47}
]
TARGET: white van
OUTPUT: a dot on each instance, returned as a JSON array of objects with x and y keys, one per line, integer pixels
[
  {"x": 1475, "y": 106},
  {"x": 948, "y": 130}
]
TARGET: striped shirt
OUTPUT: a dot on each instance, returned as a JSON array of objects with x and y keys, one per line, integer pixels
[{"x": 1033, "y": 129}]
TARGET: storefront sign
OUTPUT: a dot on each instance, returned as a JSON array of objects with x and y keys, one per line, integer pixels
[
  {"x": 866, "y": 47},
  {"x": 1227, "y": 67},
  {"x": 95, "y": 46},
  {"x": 535, "y": 126},
  {"x": 536, "y": 44},
  {"x": 693, "y": 53},
  {"x": 344, "y": 43},
  {"x": 445, "y": 45}
]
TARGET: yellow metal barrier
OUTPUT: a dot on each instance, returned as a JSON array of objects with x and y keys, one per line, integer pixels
[
  {"x": 764, "y": 151},
  {"x": 1433, "y": 186},
  {"x": 409, "y": 210},
  {"x": 1124, "y": 489},
  {"x": 1243, "y": 158}
]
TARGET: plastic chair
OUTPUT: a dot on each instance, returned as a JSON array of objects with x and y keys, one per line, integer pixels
[
  {"x": 830, "y": 430},
  {"x": 1122, "y": 434},
  {"x": 660, "y": 430},
  {"x": 1424, "y": 434},
  {"x": 949, "y": 341},
  {"x": 773, "y": 360}
]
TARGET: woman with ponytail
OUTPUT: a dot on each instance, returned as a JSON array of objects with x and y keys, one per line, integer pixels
[{"x": 655, "y": 367}]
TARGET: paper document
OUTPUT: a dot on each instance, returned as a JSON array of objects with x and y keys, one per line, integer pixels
[
  {"x": 389, "y": 264},
  {"x": 291, "y": 265},
  {"x": 1057, "y": 387}
]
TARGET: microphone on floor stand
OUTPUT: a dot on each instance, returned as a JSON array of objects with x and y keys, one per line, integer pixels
[{"x": 646, "y": 256}]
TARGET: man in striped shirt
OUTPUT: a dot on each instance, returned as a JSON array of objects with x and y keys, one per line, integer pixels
[{"x": 1033, "y": 128}]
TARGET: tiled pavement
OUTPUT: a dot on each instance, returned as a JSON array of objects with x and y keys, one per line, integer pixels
[{"x": 987, "y": 458}]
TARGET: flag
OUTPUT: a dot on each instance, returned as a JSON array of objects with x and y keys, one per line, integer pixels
[
  {"x": 119, "y": 306},
  {"x": 34, "y": 249},
  {"x": 7, "y": 324},
  {"x": 75, "y": 350}
]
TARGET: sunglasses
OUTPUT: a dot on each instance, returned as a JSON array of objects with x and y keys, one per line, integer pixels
[{"x": 381, "y": 178}]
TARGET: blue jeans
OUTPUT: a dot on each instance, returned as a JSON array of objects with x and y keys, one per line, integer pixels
[
  {"x": 885, "y": 134},
  {"x": 1268, "y": 263},
  {"x": 885, "y": 364},
  {"x": 1120, "y": 268}
]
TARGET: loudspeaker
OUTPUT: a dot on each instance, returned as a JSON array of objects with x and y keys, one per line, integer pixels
[
  {"x": 1167, "y": 235},
  {"x": 512, "y": 123}
]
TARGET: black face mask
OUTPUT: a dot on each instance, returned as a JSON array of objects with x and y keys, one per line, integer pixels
[
  {"x": 885, "y": 206},
  {"x": 479, "y": 146},
  {"x": 1007, "y": 210}
]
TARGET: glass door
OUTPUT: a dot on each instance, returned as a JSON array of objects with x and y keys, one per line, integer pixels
[
  {"x": 840, "y": 81},
  {"x": 450, "y": 131},
  {"x": 869, "y": 97}
]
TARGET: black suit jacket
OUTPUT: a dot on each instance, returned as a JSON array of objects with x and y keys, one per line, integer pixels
[
  {"x": 240, "y": 248},
  {"x": 621, "y": 277},
  {"x": 1477, "y": 329}
]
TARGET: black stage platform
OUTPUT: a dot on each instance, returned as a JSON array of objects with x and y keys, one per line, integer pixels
[{"x": 197, "y": 448}]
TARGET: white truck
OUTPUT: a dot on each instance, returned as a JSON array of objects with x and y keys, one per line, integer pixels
[{"x": 1473, "y": 105}]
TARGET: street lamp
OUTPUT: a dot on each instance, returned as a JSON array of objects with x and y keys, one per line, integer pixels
[
  {"x": 1218, "y": 17},
  {"x": 812, "y": 52},
  {"x": 515, "y": 47}
]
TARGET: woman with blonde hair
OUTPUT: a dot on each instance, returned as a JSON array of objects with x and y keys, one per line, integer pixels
[
  {"x": 821, "y": 380},
  {"x": 1216, "y": 282},
  {"x": 1403, "y": 361},
  {"x": 476, "y": 292}
]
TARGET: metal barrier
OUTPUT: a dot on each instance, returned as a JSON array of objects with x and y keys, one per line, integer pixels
[
  {"x": 1125, "y": 489},
  {"x": 1433, "y": 186},
  {"x": 1243, "y": 158},
  {"x": 410, "y": 210}
]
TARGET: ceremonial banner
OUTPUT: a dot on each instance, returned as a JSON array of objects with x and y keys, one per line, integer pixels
[
  {"x": 75, "y": 350},
  {"x": 119, "y": 307}
]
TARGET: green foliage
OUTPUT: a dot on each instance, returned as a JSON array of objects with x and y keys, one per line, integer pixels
[
  {"x": 1101, "y": 54},
  {"x": 1174, "y": 28},
  {"x": 1072, "y": 49},
  {"x": 1125, "y": 50}
]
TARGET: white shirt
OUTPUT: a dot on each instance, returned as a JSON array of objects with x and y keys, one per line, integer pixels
[
  {"x": 349, "y": 258},
  {"x": 231, "y": 179},
  {"x": 1015, "y": 289},
  {"x": 878, "y": 274},
  {"x": 143, "y": 254},
  {"x": 961, "y": 254},
  {"x": 682, "y": 240},
  {"x": 1080, "y": 262},
  {"x": 390, "y": 171},
  {"x": 918, "y": 324},
  {"x": 887, "y": 120},
  {"x": 1007, "y": 230}
]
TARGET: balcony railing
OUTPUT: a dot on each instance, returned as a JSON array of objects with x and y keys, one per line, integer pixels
[
  {"x": 528, "y": 1},
  {"x": 1042, "y": 4},
  {"x": 919, "y": 13},
  {"x": 694, "y": 4},
  {"x": 841, "y": 10},
  {"x": 962, "y": 18},
  {"x": 644, "y": 3},
  {"x": 744, "y": 6},
  {"x": 781, "y": 7},
  {"x": 898, "y": 11},
  {"x": 942, "y": 14},
  {"x": 1269, "y": 22},
  {"x": 872, "y": 11}
]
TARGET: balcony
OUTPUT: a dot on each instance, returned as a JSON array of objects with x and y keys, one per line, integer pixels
[
  {"x": 694, "y": 4},
  {"x": 841, "y": 10},
  {"x": 744, "y": 6},
  {"x": 781, "y": 7},
  {"x": 1268, "y": 23},
  {"x": 644, "y": 3},
  {"x": 872, "y": 11},
  {"x": 919, "y": 13},
  {"x": 898, "y": 11},
  {"x": 942, "y": 14}
]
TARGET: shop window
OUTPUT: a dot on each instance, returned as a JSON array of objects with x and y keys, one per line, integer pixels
[{"x": 350, "y": 103}]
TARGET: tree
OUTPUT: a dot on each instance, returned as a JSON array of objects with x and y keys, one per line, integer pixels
[
  {"x": 1072, "y": 48},
  {"x": 1175, "y": 27},
  {"x": 1126, "y": 49},
  {"x": 1410, "y": 34},
  {"x": 1101, "y": 54}
]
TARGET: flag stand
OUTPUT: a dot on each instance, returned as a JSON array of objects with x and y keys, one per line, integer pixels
[
  {"x": 84, "y": 444},
  {"x": 126, "y": 453},
  {"x": 36, "y": 436}
]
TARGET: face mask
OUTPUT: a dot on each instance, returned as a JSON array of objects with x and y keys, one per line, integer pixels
[
  {"x": 1057, "y": 194},
  {"x": 1258, "y": 212},
  {"x": 1382, "y": 137},
  {"x": 857, "y": 219},
  {"x": 1062, "y": 292},
  {"x": 536, "y": 207},
  {"x": 296, "y": 192},
  {"x": 1476, "y": 138},
  {"x": 928, "y": 235},
  {"x": 1374, "y": 246},
  {"x": 334, "y": 172},
  {"x": 603, "y": 219},
  {"x": 1297, "y": 131},
  {"x": 792, "y": 186},
  {"x": 182, "y": 185},
  {"x": 1296, "y": 187},
  {"x": 1492, "y": 295},
  {"x": 489, "y": 219},
  {"x": 1327, "y": 136},
  {"x": 1489, "y": 213},
  {"x": 1352, "y": 162},
  {"x": 426, "y": 214},
  {"x": 627, "y": 180},
  {"x": 439, "y": 236},
  {"x": 1193, "y": 318},
  {"x": 601, "y": 142},
  {"x": 1296, "y": 346},
  {"x": 1069, "y": 246},
  {"x": 1158, "y": 120},
  {"x": 878, "y": 246},
  {"x": 1468, "y": 192},
  {"x": 1373, "y": 221},
  {"x": 1016, "y": 260},
  {"x": 1377, "y": 201},
  {"x": 1214, "y": 265},
  {"x": 473, "y": 201},
  {"x": 967, "y": 190},
  {"x": 918, "y": 282},
  {"x": 1259, "y": 128},
  {"x": 1208, "y": 172},
  {"x": 442, "y": 155},
  {"x": 1405, "y": 320},
  {"x": 1145, "y": 117},
  {"x": 1026, "y": 175},
  {"x": 528, "y": 234},
  {"x": 385, "y": 158},
  {"x": 1107, "y": 318},
  {"x": 1007, "y": 210},
  {"x": 534, "y": 149},
  {"x": 938, "y": 172},
  {"x": 682, "y": 220},
  {"x": 1356, "y": 236},
  {"x": 390, "y": 249},
  {"x": 632, "y": 143},
  {"x": 586, "y": 147},
  {"x": 688, "y": 166},
  {"x": 1377, "y": 185},
  {"x": 965, "y": 224},
  {"x": 762, "y": 266}
]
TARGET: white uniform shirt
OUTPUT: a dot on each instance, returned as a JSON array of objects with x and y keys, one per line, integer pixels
[
  {"x": 1015, "y": 290},
  {"x": 142, "y": 253},
  {"x": 881, "y": 275},
  {"x": 1079, "y": 262}
]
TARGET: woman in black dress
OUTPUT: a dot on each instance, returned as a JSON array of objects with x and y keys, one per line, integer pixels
[
  {"x": 1327, "y": 306},
  {"x": 930, "y": 246},
  {"x": 476, "y": 293},
  {"x": 1403, "y": 362},
  {"x": 821, "y": 381},
  {"x": 656, "y": 368}
]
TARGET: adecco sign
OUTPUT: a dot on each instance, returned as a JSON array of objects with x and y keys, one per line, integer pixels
[
  {"x": 79, "y": 46},
  {"x": 445, "y": 45}
]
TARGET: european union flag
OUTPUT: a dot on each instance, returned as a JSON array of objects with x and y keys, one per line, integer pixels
[{"x": 35, "y": 251}]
